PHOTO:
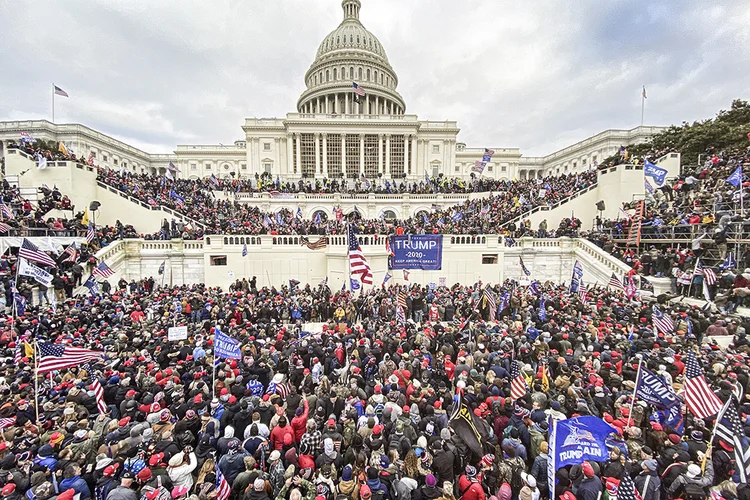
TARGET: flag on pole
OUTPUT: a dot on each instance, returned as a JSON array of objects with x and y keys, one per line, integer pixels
[
  {"x": 729, "y": 428},
  {"x": 626, "y": 490},
  {"x": 615, "y": 282},
  {"x": 59, "y": 91},
  {"x": 244, "y": 250},
  {"x": 53, "y": 357},
  {"x": 518, "y": 386},
  {"x": 29, "y": 251},
  {"x": 471, "y": 429},
  {"x": 729, "y": 263},
  {"x": 387, "y": 277},
  {"x": 317, "y": 219},
  {"x": 489, "y": 297},
  {"x": 162, "y": 266},
  {"x": 357, "y": 262},
  {"x": 577, "y": 276},
  {"x": 223, "y": 490},
  {"x": 699, "y": 397},
  {"x": 103, "y": 270},
  {"x": 90, "y": 233},
  {"x": 406, "y": 275},
  {"x": 172, "y": 168},
  {"x": 736, "y": 178},
  {"x": 20, "y": 302},
  {"x": 96, "y": 386},
  {"x": 299, "y": 213},
  {"x": 358, "y": 90},
  {"x": 662, "y": 321},
  {"x": 92, "y": 285},
  {"x": 6, "y": 210},
  {"x": 214, "y": 181},
  {"x": 523, "y": 267},
  {"x": 634, "y": 233},
  {"x": 644, "y": 92},
  {"x": 583, "y": 292}
]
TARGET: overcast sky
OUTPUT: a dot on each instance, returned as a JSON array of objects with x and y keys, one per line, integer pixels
[{"x": 537, "y": 75}]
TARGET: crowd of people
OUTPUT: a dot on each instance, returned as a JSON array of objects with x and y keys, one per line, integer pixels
[
  {"x": 361, "y": 406},
  {"x": 222, "y": 216},
  {"x": 27, "y": 218}
]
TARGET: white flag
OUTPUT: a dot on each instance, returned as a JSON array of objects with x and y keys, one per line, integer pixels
[
  {"x": 42, "y": 162},
  {"x": 28, "y": 269}
]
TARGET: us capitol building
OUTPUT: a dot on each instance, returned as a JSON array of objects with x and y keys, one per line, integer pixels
[{"x": 336, "y": 132}]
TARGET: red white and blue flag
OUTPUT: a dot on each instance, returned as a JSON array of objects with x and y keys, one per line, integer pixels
[
  {"x": 358, "y": 90},
  {"x": 103, "y": 270}
]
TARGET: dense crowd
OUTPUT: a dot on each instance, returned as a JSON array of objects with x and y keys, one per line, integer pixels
[
  {"x": 223, "y": 216},
  {"x": 362, "y": 406},
  {"x": 27, "y": 218}
]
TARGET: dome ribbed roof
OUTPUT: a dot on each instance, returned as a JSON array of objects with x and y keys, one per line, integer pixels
[{"x": 351, "y": 35}]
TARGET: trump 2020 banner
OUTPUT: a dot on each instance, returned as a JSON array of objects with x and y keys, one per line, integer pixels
[
  {"x": 417, "y": 251},
  {"x": 574, "y": 440}
]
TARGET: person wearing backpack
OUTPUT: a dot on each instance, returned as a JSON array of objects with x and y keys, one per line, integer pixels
[
  {"x": 591, "y": 486},
  {"x": 692, "y": 485},
  {"x": 377, "y": 487},
  {"x": 469, "y": 487},
  {"x": 648, "y": 482}
]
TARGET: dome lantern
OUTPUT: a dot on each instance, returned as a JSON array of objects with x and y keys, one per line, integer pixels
[{"x": 351, "y": 9}]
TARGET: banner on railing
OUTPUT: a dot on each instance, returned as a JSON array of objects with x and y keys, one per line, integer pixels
[{"x": 417, "y": 251}]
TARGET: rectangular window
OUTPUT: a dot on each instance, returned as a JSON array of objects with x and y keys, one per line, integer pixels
[
  {"x": 458, "y": 168},
  {"x": 266, "y": 146},
  {"x": 397, "y": 156},
  {"x": 307, "y": 160},
  {"x": 267, "y": 167},
  {"x": 489, "y": 258},
  {"x": 371, "y": 156},
  {"x": 489, "y": 168},
  {"x": 436, "y": 149},
  {"x": 208, "y": 166},
  {"x": 352, "y": 156},
  {"x": 593, "y": 158},
  {"x": 93, "y": 155},
  {"x": 193, "y": 166},
  {"x": 583, "y": 162},
  {"x": 575, "y": 164},
  {"x": 104, "y": 157},
  {"x": 503, "y": 168},
  {"x": 243, "y": 166},
  {"x": 333, "y": 151},
  {"x": 218, "y": 260}
]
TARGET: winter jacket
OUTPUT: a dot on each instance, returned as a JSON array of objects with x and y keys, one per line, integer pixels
[
  {"x": 122, "y": 493},
  {"x": 650, "y": 491},
  {"x": 589, "y": 489},
  {"x": 470, "y": 490}
]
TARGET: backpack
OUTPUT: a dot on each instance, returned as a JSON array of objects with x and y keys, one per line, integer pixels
[
  {"x": 378, "y": 495},
  {"x": 692, "y": 491},
  {"x": 507, "y": 431}
]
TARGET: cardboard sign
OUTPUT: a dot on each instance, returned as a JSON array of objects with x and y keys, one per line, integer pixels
[{"x": 177, "y": 333}]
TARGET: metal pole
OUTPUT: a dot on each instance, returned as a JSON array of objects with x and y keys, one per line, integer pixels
[
  {"x": 53, "y": 102},
  {"x": 36, "y": 380},
  {"x": 632, "y": 400},
  {"x": 643, "y": 107}
]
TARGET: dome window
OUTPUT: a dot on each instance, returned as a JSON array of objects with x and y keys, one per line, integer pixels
[
  {"x": 368, "y": 75},
  {"x": 338, "y": 40},
  {"x": 328, "y": 74},
  {"x": 351, "y": 39},
  {"x": 334, "y": 73},
  {"x": 351, "y": 72},
  {"x": 357, "y": 39},
  {"x": 360, "y": 73}
]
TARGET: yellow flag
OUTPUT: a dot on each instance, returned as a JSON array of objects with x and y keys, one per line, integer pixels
[
  {"x": 63, "y": 149},
  {"x": 545, "y": 379},
  {"x": 28, "y": 350},
  {"x": 85, "y": 218}
]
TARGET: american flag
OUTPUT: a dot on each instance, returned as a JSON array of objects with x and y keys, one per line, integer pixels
[
  {"x": 339, "y": 214},
  {"x": 29, "y": 251},
  {"x": 7, "y": 422},
  {"x": 103, "y": 270},
  {"x": 615, "y": 282},
  {"x": 214, "y": 181},
  {"x": 357, "y": 262},
  {"x": 6, "y": 210},
  {"x": 4, "y": 228},
  {"x": 314, "y": 245},
  {"x": 280, "y": 389},
  {"x": 223, "y": 490},
  {"x": 71, "y": 252},
  {"x": 662, "y": 321},
  {"x": 583, "y": 292},
  {"x": 491, "y": 303},
  {"x": 406, "y": 275},
  {"x": 699, "y": 397},
  {"x": 171, "y": 167},
  {"x": 729, "y": 428},
  {"x": 96, "y": 386},
  {"x": 17, "y": 354},
  {"x": 402, "y": 299},
  {"x": 90, "y": 233},
  {"x": 518, "y": 385},
  {"x": 709, "y": 276},
  {"x": 54, "y": 357},
  {"x": 358, "y": 90},
  {"x": 627, "y": 490},
  {"x": 60, "y": 91}
]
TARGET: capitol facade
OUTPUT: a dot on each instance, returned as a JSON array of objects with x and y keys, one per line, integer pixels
[{"x": 350, "y": 121}]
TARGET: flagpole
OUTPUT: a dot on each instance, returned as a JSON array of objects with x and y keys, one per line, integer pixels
[
  {"x": 53, "y": 102},
  {"x": 637, "y": 379},
  {"x": 36, "y": 380},
  {"x": 643, "y": 104}
]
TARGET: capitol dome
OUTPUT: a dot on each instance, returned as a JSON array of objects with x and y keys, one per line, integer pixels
[{"x": 351, "y": 54}]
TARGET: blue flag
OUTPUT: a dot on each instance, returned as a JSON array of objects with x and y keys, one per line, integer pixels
[
  {"x": 574, "y": 440},
  {"x": 387, "y": 277},
  {"x": 317, "y": 218},
  {"x": 505, "y": 301},
  {"x": 244, "y": 250},
  {"x": 457, "y": 216},
  {"x": 225, "y": 346},
  {"x": 354, "y": 284},
  {"x": 299, "y": 213},
  {"x": 659, "y": 174},
  {"x": 180, "y": 199},
  {"x": 426, "y": 220},
  {"x": 20, "y": 302},
  {"x": 92, "y": 285},
  {"x": 575, "y": 280},
  {"x": 267, "y": 221},
  {"x": 279, "y": 218},
  {"x": 650, "y": 388},
  {"x": 542, "y": 311},
  {"x": 525, "y": 271},
  {"x": 534, "y": 287},
  {"x": 736, "y": 178},
  {"x": 729, "y": 263},
  {"x": 671, "y": 416}
]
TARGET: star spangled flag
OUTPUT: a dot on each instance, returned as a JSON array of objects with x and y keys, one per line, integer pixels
[
  {"x": 6, "y": 210},
  {"x": 339, "y": 213},
  {"x": 729, "y": 428},
  {"x": 518, "y": 386},
  {"x": 699, "y": 397},
  {"x": 736, "y": 178},
  {"x": 29, "y": 251},
  {"x": 509, "y": 242},
  {"x": 615, "y": 282},
  {"x": 478, "y": 166},
  {"x": 244, "y": 250},
  {"x": 358, "y": 89},
  {"x": 357, "y": 262},
  {"x": 400, "y": 315},
  {"x": 71, "y": 252},
  {"x": 626, "y": 490},
  {"x": 53, "y": 357},
  {"x": 491, "y": 303},
  {"x": 646, "y": 285},
  {"x": 90, "y": 233},
  {"x": 456, "y": 217},
  {"x": 96, "y": 386},
  {"x": 7, "y": 422},
  {"x": 103, "y": 270},
  {"x": 26, "y": 137},
  {"x": 534, "y": 287},
  {"x": 172, "y": 168},
  {"x": 4, "y": 228},
  {"x": 223, "y": 490},
  {"x": 662, "y": 321},
  {"x": 214, "y": 181},
  {"x": 406, "y": 275},
  {"x": 162, "y": 266},
  {"x": 365, "y": 180},
  {"x": 523, "y": 268},
  {"x": 317, "y": 219},
  {"x": 267, "y": 221},
  {"x": 92, "y": 285},
  {"x": 648, "y": 186},
  {"x": 177, "y": 197},
  {"x": 59, "y": 91},
  {"x": 583, "y": 292}
]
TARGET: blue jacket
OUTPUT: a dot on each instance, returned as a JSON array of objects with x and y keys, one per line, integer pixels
[{"x": 78, "y": 484}]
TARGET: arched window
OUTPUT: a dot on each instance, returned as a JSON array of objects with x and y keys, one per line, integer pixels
[
  {"x": 208, "y": 241},
  {"x": 357, "y": 39},
  {"x": 338, "y": 40},
  {"x": 375, "y": 76},
  {"x": 368, "y": 75},
  {"x": 351, "y": 72},
  {"x": 334, "y": 73},
  {"x": 360, "y": 74},
  {"x": 226, "y": 240},
  {"x": 316, "y": 79},
  {"x": 389, "y": 215},
  {"x": 343, "y": 72},
  {"x": 351, "y": 39},
  {"x": 381, "y": 78},
  {"x": 328, "y": 74}
]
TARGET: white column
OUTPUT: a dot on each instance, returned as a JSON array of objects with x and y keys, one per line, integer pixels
[
  {"x": 343, "y": 153},
  {"x": 406, "y": 153},
  {"x": 380, "y": 154},
  {"x": 346, "y": 103},
  {"x": 377, "y": 105},
  {"x": 361, "y": 153},
  {"x": 414, "y": 153},
  {"x": 289, "y": 154},
  {"x": 325, "y": 154},
  {"x": 367, "y": 107},
  {"x": 299, "y": 154},
  {"x": 317, "y": 154},
  {"x": 388, "y": 153}
]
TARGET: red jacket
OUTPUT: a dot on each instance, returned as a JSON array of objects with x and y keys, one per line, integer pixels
[
  {"x": 277, "y": 436},
  {"x": 470, "y": 490},
  {"x": 300, "y": 422}
]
